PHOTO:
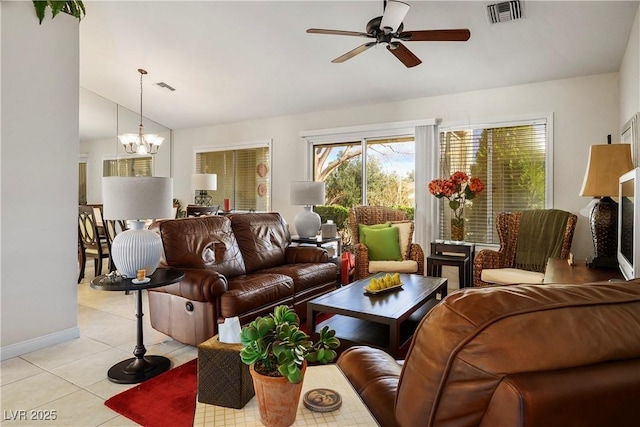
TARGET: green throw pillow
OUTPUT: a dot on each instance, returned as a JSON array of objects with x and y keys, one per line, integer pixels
[
  {"x": 382, "y": 243},
  {"x": 373, "y": 227}
]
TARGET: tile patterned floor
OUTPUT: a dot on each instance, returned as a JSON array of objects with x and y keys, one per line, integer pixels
[{"x": 71, "y": 378}]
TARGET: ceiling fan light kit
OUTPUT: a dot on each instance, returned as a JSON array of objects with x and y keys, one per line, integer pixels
[{"x": 388, "y": 30}]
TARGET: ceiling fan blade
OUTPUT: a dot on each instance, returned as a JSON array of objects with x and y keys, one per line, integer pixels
[
  {"x": 337, "y": 32},
  {"x": 403, "y": 54},
  {"x": 394, "y": 13},
  {"x": 457, "y": 35},
  {"x": 353, "y": 52}
]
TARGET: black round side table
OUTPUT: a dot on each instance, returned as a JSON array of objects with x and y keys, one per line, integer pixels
[{"x": 139, "y": 368}]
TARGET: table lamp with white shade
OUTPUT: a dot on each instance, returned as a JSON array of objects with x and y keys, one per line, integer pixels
[
  {"x": 307, "y": 194},
  {"x": 136, "y": 199},
  {"x": 203, "y": 182}
]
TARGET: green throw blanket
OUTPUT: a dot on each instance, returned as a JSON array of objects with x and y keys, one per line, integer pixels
[{"x": 540, "y": 238}]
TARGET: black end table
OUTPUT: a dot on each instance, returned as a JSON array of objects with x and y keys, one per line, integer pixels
[{"x": 141, "y": 367}]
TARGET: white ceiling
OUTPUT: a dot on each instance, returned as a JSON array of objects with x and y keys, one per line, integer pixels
[{"x": 238, "y": 60}]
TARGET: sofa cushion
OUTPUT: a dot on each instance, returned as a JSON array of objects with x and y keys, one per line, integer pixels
[
  {"x": 362, "y": 227},
  {"x": 408, "y": 266},
  {"x": 509, "y": 276},
  {"x": 249, "y": 293},
  {"x": 262, "y": 238},
  {"x": 205, "y": 243},
  {"x": 383, "y": 244},
  {"x": 405, "y": 236},
  {"x": 306, "y": 276}
]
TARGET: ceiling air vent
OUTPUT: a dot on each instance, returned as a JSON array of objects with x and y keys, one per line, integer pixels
[
  {"x": 165, "y": 86},
  {"x": 504, "y": 11}
]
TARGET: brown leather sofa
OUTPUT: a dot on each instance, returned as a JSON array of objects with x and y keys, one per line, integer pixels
[
  {"x": 522, "y": 355},
  {"x": 240, "y": 265}
]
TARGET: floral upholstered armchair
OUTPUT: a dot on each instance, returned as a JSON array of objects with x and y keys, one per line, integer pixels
[
  {"x": 546, "y": 233},
  {"x": 388, "y": 242}
]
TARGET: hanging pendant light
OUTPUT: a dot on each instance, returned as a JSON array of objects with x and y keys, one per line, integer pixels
[{"x": 140, "y": 143}]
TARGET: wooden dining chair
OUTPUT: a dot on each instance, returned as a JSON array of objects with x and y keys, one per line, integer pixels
[
  {"x": 90, "y": 244},
  {"x": 112, "y": 228},
  {"x": 195, "y": 210}
]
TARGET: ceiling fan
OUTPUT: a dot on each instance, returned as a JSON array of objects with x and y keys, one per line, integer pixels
[{"x": 388, "y": 30}]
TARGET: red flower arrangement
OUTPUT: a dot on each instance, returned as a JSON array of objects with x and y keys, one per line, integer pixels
[{"x": 458, "y": 189}]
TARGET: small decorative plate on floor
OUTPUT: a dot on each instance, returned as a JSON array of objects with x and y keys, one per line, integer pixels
[{"x": 322, "y": 400}]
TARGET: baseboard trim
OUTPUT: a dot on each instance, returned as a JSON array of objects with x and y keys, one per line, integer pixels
[{"x": 18, "y": 349}]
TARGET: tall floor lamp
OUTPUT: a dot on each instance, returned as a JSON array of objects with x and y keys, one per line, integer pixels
[
  {"x": 606, "y": 163},
  {"x": 203, "y": 182},
  {"x": 136, "y": 199},
  {"x": 307, "y": 194}
]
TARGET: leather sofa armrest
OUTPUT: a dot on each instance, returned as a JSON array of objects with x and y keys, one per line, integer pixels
[
  {"x": 305, "y": 254},
  {"x": 198, "y": 285},
  {"x": 374, "y": 375},
  {"x": 487, "y": 258}
]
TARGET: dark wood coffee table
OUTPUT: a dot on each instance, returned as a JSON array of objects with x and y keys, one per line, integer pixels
[{"x": 385, "y": 320}]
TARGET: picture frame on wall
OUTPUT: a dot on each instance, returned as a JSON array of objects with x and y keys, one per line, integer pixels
[{"x": 629, "y": 135}]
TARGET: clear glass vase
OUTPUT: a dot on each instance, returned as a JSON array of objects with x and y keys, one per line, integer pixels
[{"x": 457, "y": 228}]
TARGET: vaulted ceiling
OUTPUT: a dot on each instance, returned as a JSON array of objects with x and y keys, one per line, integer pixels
[{"x": 238, "y": 60}]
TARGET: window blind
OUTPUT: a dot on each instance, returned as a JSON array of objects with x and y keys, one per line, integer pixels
[
  {"x": 133, "y": 166},
  {"x": 510, "y": 161},
  {"x": 243, "y": 177}
]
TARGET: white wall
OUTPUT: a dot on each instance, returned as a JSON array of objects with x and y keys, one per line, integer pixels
[
  {"x": 630, "y": 75},
  {"x": 39, "y": 185},
  {"x": 585, "y": 111}
]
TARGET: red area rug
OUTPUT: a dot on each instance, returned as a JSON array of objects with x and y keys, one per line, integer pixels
[{"x": 166, "y": 400}]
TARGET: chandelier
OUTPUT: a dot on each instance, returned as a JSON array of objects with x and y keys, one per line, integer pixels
[{"x": 140, "y": 143}]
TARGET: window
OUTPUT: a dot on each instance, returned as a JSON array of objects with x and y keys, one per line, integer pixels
[
  {"x": 511, "y": 160},
  {"x": 243, "y": 177},
  {"x": 82, "y": 182},
  {"x": 132, "y": 166},
  {"x": 389, "y": 171}
]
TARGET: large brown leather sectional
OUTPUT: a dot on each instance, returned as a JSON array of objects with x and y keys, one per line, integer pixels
[
  {"x": 503, "y": 356},
  {"x": 241, "y": 265}
]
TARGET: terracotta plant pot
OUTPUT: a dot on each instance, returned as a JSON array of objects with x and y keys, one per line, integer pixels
[{"x": 277, "y": 398}]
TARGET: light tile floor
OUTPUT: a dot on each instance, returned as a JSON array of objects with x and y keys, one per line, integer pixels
[{"x": 71, "y": 378}]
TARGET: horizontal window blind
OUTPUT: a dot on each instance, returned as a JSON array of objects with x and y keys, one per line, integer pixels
[
  {"x": 82, "y": 183},
  {"x": 133, "y": 166},
  {"x": 510, "y": 161},
  {"x": 242, "y": 177}
]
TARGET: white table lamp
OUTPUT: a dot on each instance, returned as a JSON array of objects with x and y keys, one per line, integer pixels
[
  {"x": 307, "y": 194},
  {"x": 203, "y": 182},
  {"x": 136, "y": 199}
]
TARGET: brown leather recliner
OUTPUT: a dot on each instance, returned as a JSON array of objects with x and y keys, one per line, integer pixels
[
  {"x": 240, "y": 265},
  {"x": 523, "y": 355}
]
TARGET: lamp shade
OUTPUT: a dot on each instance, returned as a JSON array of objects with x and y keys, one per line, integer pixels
[
  {"x": 136, "y": 199},
  {"x": 204, "y": 181},
  {"x": 143, "y": 197},
  {"x": 394, "y": 14},
  {"x": 607, "y": 162},
  {"x": 307, "y": 193}
]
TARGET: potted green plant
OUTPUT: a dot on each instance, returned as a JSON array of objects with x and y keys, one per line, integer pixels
[{"x": 277, "y": 351}]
